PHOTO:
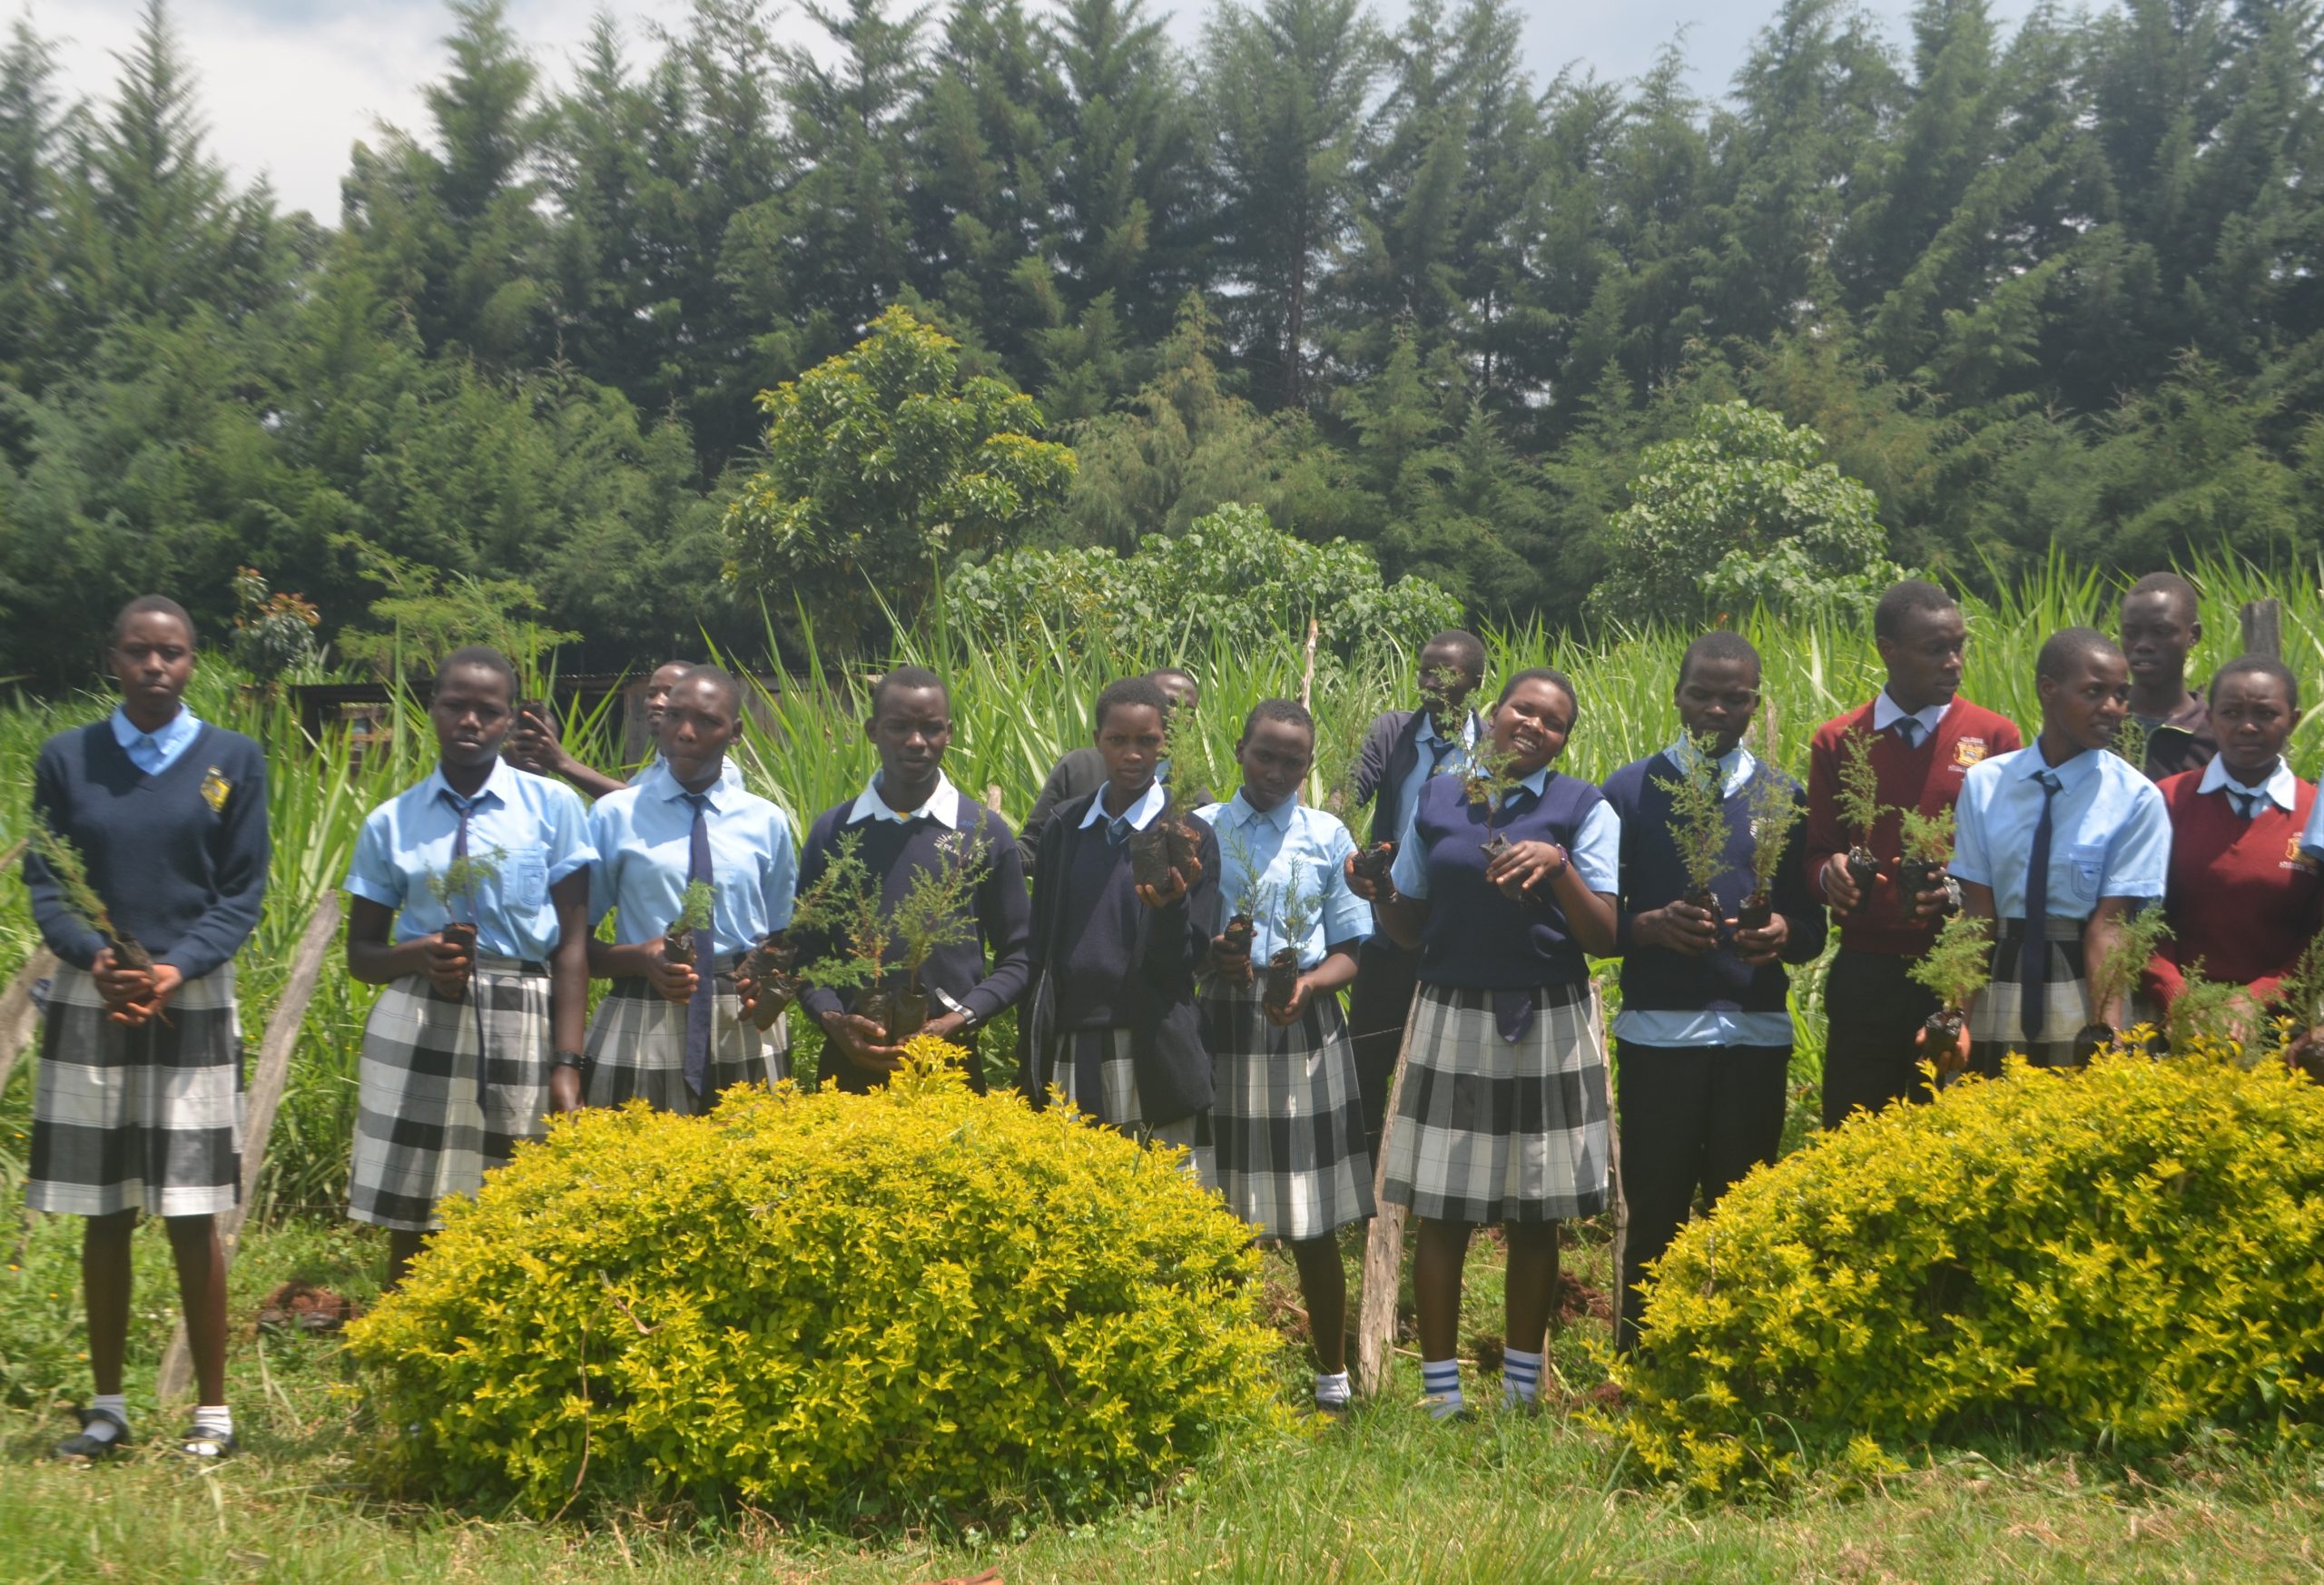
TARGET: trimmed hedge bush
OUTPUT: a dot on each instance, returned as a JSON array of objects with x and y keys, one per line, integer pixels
[
  {"x": 822, "y": 1303},
  {"x": 2112, "y": 1258}
]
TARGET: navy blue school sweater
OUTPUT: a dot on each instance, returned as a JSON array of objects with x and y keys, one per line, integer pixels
[
  {"x": 180, "y": 859},
  {"x": 1658, "y": 979},
  {"x": 1152, "y": 984},
  {"x": 1476, "y": 937},
  {"x": 1001, "y": 914}
]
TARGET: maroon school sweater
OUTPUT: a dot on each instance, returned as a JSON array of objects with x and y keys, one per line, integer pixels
[
  {"x": 2241, "y": 896},
  {"x": 1926, "y": 777}
]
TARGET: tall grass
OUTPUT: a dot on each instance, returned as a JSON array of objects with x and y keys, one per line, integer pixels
[{"x": 1016, "y": 710}]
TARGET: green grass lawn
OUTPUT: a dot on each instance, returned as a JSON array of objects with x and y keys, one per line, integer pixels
[{"x": 1388, "y": 1497}]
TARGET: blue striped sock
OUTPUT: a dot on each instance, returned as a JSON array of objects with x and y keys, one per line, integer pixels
[
  {"x": 1521, "y": 1376},
  {"x": 1440, "y": 1387}
]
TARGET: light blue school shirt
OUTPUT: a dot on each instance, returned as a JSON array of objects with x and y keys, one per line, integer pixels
[
  {"x": 2311, "y": 840},
  {"x": 535, "y": 831},
  {"x": 1708, "y": 1026},
  {"x": 643, "y": 836},
  {"x": 729, "y": 773},
  {"x": 1295, "y": 851},
  {"x": 2109, "y": 832},
  {"x": 1597, "y": 850},
  {"x": 1426, "y": 766},
  {"x": 155, "y": 752}
]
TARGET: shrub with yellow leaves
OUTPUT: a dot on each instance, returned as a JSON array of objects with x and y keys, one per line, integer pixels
[
  {"x": 2112, "y": 1258},
  {"x": 822, "y": 1303}
]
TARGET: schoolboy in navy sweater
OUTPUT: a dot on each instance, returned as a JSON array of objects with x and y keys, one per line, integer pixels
[
  {"x": 1702, "y": 1046},
  {"x": 899, "y": 820}
]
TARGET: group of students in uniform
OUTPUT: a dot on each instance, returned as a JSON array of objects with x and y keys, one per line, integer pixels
[{"x": 479, "y": 898}]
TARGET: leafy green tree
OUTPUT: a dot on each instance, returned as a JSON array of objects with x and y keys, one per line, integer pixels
[
  {"x": 881, "y": 465},
  {"x": 1743, "y": 512}
]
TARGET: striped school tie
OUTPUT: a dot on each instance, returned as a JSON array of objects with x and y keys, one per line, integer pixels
[
  {"x": 2034, "y": 953},
  {"x": 700, "y": 1007}
]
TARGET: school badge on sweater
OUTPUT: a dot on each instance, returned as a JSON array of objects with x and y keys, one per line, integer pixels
[
  {"x": 215, "y": 790},
  {"x": 1968, "y": 751}
]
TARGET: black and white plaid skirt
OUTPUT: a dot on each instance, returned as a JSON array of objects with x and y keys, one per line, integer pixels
[
  {"x": 1286, "y": 1125},
  {"x": 1494, "y": 1130},
  {"x": 422, "y": 1133},
  {"x": 1993, "y": 1027},
  {"x": 637, "y": 1048},
  {"x": 1115, "y": 1105},
  {"x": 138, "y": 1119}
]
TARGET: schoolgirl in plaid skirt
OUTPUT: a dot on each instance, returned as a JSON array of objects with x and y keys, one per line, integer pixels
[
  {"x": 137, "y": 1103},
  {"x": 476, "y": 1041},
  {"x": 2058, "y": 842},
  {"x": 1508, "y": 881},
  {"x": 676, "y": 1035},
  {"x": 1287, "y": 1114}
]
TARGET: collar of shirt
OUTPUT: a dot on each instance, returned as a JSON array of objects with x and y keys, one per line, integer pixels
[
  {"x": 1428, "y": 734},
  {"x": 730, "y": 774},
  {"x": 2072, "y": 774},
  {"x": 1735, "y": 766},
  {"x": 1538, "y": 782},
  {"x": 1141, "y": 813},
  {"x": 1886, "y": 712},
  {"x": 1239, "y": 811},
  {"x": 943, "y": 805},
  {"x": 500, "y": 785},
  {"x": 2191, "y": 715},
  {"x": 176, "y": 735},
  {"x": 658, "y": 781},
  {"x": 2280, "y": 789}
]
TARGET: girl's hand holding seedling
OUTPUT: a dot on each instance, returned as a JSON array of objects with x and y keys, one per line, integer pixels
[
  {"x": 1521, "y": 867},
  {"x": 1951, "y": 1056},
  {"x": 863, "y": 1043},
  {"x": 1758, "y": 948},
  {"x": 674, "y": 980},
  {"x": 1232, "y": 959},
  {"x": 1680, "y": 927},
  {"x": 1839, "y": 886},
  {"x": 1181, "y": 881},
  {"x": 1364, "y": 886},
  {"x": 1291, "y": 1012},
  {"x": 944, "y": 1026},
  {"x": 447, "y": 966}
]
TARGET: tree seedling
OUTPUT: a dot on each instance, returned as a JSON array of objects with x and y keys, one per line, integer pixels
[
  {"x": 2130, "y": 743},
  {"x": 1928, "y": 852},
  {"x": 457, "y": 888},
  {"x": 772, "y": 970},
  {"x": 1296, "y": 915},
  {"x": 1168, "y": 843},
  {"x": 70, "y": 871},
  {"x": 1488, "y": 784},
  {"x": 1775, "y": 813},
  {"x": 1242, "y": 925},
  {"x": 1860, "y": 808},
  {"x": 1698, "y": 825},
  {"x": 1957, "y": 965},
  {"x": 2116, "y": 972},
  {"x": 936, "y": 911},
  {"x": 694, "y": 914},
  {"x": 2301, "y": 994}
]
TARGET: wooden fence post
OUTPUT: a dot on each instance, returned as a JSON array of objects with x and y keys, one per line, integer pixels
[
  {"x": 2263, "y": 628},
  {"x": 1613, "y": 1159},
  {"x": 265, "y": 1096},
  {"x": 1383, "y": 1254}
]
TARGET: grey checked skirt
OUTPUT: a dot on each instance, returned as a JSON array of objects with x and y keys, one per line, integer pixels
[
  {"x": 145, "y": 1120},
  {"x": 1494, "y": 1130},
  {"x": 1117, "y": 1104},
  {"x": 1287, "y": 1127},
  {"x": 1993, "y": 1027},
  {"x": 421, "y": 1132},
  {"x": 637, "y": 1048}
]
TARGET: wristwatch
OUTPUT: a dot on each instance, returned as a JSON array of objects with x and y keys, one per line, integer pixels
[{"x": 568, "y": 1059}]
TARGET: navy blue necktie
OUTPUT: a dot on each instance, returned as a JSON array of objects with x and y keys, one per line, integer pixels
[
  {"x": 1117, "y": 831},
  {"x": 466, "y": 808},
  {"x": 2246, "y": 805},
  {"x": 1908, "y": 729},
  {"x": 706, "y": 954},
  {"x": 2034, "y": 953}
]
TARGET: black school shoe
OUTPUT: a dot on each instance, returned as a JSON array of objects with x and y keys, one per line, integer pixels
[
  {"x": 80, "y": 1448},
  {"x": 202, "y": 1448}
]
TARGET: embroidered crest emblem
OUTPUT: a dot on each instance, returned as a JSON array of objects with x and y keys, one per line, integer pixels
[
  {"x": 2293, "y": 855},
  {"x": 1968, "y": 751},
  {"x": 215, "y": 790}
]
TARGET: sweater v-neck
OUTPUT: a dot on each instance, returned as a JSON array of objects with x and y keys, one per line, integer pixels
[{"x": 156, "y": 778}]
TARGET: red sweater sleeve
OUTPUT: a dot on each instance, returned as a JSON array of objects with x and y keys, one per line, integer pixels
[{"x": 1824, "y": 835}]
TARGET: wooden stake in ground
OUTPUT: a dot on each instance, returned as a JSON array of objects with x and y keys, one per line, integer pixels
[
  {"x": 18, "y": 1016},
  {"x": 265, "y": 1096},
  {"x": 1307, "y": 677},
  {"x": 1383, "y": 1253},
  {"x": 1613, "y": 1157},
  {"x": 2263, "y": 628}
]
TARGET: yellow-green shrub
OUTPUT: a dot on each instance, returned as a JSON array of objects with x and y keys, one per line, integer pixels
[
  {"x": 2108, "y": 1258},
  {"x": 822, "y": 1303}
]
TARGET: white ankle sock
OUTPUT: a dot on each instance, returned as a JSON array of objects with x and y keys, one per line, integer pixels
[
  {"x": 214, "y": 1421},
  {"x": 1440, "y": 1386},
  {"x": 112, "y": 1404},
  {"x": 1521, "y": 1376},
  {"x": 1332, "y": 1391}
]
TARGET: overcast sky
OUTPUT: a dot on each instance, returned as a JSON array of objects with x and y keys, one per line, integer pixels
[{"x": 288, "y": 85}]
